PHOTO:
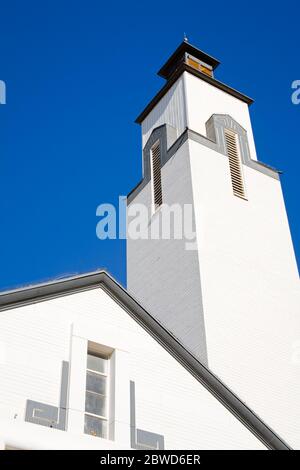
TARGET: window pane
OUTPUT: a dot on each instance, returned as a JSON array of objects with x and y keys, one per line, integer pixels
[
  {"x": 97, "y": 363},
  {"x": 95, "y": 426},
  {"x": 95, "y": 404},
  {"x": 95, "y": 383}
]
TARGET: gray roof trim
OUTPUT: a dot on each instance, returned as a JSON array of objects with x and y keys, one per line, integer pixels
[{"x": 61, "y": 287}]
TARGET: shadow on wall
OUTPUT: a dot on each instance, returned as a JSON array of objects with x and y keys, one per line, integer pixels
[
  {"x": 140, "y": 439},
  {"x": 56, "y": 416},
  {"x": 49, "y": 415}
]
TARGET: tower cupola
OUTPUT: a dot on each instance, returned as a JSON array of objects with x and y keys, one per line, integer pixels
[{"x": 187, "y": 56}]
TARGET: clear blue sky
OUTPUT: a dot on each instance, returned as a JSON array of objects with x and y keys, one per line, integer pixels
[{"x": 78, "y": 73}]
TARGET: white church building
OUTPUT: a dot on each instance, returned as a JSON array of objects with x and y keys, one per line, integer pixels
[{"x": 202, "y": 351}]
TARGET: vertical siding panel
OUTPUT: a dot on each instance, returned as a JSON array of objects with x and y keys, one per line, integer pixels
[{"x": 170, "y": 110}]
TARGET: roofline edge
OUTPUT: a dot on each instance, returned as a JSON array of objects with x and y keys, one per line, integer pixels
[{"x": 211, "y": 382}]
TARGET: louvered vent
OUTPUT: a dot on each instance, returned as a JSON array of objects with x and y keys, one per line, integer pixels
[
  {"x": 235, "y": 164},
  {"x": 156, "y": 175}
]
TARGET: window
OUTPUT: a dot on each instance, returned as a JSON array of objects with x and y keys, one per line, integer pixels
[
  {"x": 96, "y": 395},
  {"x": 199, "y": 65},
  {"x": 235, "y": 164},
  {"x": 156, "y": 175}
]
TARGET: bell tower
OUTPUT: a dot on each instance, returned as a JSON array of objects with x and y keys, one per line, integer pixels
[{"x": 232, "y": 296}]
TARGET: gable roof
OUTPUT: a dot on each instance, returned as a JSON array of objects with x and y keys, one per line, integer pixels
[{"x": 66, "y": 286}]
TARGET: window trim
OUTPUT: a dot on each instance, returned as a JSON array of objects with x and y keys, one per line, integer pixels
[{"x": 106, "y": 396}]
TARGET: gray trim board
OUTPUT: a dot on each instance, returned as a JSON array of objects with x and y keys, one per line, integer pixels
[
  {"x": 72, "y": 285},
  {"x": 169, "y": 144},
  {"x": 168, "y": 147},
  {"x": 214, "y": 140}
]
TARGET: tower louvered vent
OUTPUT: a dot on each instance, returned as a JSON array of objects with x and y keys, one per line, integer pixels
[
  {"x": 234, "y": 164},
  {"x": 156, "y": 175}
]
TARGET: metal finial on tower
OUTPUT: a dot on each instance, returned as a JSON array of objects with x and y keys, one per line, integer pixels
[{"x": 185, "y": 38}]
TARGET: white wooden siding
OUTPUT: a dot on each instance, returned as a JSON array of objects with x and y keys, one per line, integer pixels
[
  {"x": 169, "y": 401},
  {"x": 170, "y": 110}
]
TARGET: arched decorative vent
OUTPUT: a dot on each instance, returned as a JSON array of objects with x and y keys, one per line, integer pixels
[
  {"x": 235, "y": 164},
  {"x": 156, "y": 175}
]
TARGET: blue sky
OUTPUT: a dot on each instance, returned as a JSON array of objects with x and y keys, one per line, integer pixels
[{"x": 77, "y": 75}]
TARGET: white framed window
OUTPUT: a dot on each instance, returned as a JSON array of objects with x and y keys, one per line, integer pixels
[
  {"x": 97, "y": 395},
  {"x": 156, "y": 176},
  {"x": 235, "y": 164}
]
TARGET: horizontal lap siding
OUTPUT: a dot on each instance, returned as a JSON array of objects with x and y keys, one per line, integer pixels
[{"x": 169, "y": 401}]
